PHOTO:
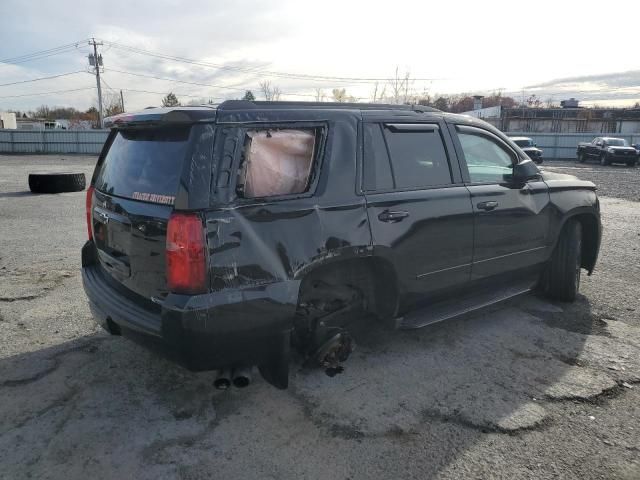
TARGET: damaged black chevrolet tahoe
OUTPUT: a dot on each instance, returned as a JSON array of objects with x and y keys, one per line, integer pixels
[{"x": 226, "y": 237}]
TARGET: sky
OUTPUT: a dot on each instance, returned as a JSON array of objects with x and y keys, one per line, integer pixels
[{"x": 549, "y": 48}]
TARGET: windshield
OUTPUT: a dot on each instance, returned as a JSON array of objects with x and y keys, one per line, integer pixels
[
  {"x": 616, "y": 142},
  {"x": 145, "y": 164},
  {"x": 524, "y": 142}
]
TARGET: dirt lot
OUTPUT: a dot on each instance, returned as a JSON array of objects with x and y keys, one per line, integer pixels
[{"x": 529, "y": 389}]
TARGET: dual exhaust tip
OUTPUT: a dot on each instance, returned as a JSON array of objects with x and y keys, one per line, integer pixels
[{"x": 239, "y": 377}]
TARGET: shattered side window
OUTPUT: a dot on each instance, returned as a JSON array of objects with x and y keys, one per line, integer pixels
[{"x": 277, "y": 162}]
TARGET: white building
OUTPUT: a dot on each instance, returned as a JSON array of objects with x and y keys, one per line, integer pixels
[{"x": 8, "y": 120}]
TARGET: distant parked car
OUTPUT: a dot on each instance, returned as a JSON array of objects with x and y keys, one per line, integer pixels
[
  {"x": 607, "y": 150},
  {"x": 529, "y": 147}
]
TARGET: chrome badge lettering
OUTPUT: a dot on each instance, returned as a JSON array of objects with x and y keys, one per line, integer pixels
[{"x": 154, "y": 197}]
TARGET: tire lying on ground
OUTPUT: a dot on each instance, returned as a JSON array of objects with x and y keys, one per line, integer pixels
[{"x": 56, "y": 182}]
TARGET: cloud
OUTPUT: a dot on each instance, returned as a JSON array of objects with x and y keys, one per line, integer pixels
[
  {"x": 630, "y": 78},
  {"x": 333, "y": 37}
]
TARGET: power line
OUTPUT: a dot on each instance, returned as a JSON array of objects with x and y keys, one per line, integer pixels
[
  {"x": 198, "y": 83},
  {"x": 42, "y": 54},
  {"x": 176, "y": 80},
  {"x": 164, "y": 93},
  {"x": 42, "y": 78},
  {"x": 47, "y": 93},
  {"x": 106, "y": 84},
  {"x": 254, "y": 70},
  {"x": 309, "y": 95}
]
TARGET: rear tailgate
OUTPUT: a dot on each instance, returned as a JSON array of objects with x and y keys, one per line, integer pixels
[{"x": 136, "y": 183}]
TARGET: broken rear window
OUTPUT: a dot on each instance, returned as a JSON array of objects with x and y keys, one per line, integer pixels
[{"x": 277, "y": 162}]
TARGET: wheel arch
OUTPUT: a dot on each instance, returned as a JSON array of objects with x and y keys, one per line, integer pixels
[
  {"x": 375, "y": 275},
  {"x": 591, "y": 233}
]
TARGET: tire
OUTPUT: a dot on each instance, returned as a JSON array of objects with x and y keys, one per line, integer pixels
[
  {"x": 603, "y": 161},
  {"x": 631, "y": 163},
  {"x": 581, "y": 157},
  {"x": 56, "y": 182},
  {"x": 563, "y": 272}
]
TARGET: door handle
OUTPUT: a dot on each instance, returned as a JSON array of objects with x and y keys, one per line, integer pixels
[
  {"x": 389, "y": 216},
  {"x": 487, "y": 205}
]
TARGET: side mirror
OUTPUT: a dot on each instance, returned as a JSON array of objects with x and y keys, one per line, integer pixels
[
  {"x": 599, "y": 144},
  {"x": 525, "y": 170}
]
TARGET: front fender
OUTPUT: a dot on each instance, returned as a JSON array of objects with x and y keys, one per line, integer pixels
[{"x": 589, "y": 219}]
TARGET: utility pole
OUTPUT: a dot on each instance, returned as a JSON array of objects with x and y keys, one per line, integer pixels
[
  {"x": 122, "y": 101},
  {"x": 96, "y": 62}
]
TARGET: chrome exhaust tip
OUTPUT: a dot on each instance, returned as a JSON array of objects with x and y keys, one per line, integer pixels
[
  {"x": 223, "y": 379},
  {"x": 241, "y": 377}
]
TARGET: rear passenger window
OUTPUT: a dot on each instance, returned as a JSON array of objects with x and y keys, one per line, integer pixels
[
  {"x": 377, "y": 170},
  {"x": 418, "y": 156},
  {"x": 276, "y": 162}
]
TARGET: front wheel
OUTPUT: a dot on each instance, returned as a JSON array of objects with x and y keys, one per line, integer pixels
[
  {"x": 563, "y": 272},
  {"x": 632, "y": 163},
  {"x": 581, "y": 157}
]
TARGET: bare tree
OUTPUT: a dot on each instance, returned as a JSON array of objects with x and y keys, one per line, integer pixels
[
  {"x": 43, "y": 111},
  {"x": 270, "y": 92},
  {"x": 534, "y": 102},
  {"x": 379, "y": 95},
  {"x": 112, "y": 104},
  {"x": 320, "y": 95},
  {"x": 265, "y": 88},
  {"x": 400, "y": 87}
]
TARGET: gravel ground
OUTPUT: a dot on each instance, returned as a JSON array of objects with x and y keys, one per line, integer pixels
[
  {"x": 528, "y": 389},
  {"x": 617, "y": 181}
]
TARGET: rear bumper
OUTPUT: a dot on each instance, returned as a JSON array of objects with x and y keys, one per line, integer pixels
[{"x": 202, "y": 332}]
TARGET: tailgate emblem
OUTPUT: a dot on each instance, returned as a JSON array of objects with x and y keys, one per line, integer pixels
[{"x": 142, "y": 228}]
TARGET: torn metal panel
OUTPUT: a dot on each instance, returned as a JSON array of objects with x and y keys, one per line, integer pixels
[{"x": 262, "y": 241}]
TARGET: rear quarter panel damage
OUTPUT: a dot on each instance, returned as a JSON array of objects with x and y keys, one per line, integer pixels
[{"x": 259, "y": 242}]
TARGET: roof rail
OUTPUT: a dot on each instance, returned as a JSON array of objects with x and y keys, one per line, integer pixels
[{"x": 247, "y": 105}]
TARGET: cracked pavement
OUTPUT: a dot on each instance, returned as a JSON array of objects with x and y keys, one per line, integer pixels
[{"x": 526, "y": 389}]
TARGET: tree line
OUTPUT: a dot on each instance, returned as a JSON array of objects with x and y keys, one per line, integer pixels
[{"x": 400, "y": 89}]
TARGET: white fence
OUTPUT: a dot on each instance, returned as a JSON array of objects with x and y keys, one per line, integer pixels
[
  {"x": 555, "y": 145},
  {"x": 52, "y": 141},
  {"x": 563, "y": 145}
]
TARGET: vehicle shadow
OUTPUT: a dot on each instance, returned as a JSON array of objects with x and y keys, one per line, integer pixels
[
  {"x": 103, "y": 407},
  {"x": 25, "y": 193}
]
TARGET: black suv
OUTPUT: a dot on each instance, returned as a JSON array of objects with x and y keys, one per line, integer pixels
[{"x": 224, "y": 236}]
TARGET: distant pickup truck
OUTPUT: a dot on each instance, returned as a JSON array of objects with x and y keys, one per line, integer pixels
[
  {"x": 607, "y": 150},
  {"x": 529, "y": 147}
]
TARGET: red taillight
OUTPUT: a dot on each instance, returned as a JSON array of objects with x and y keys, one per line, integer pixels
[
  {"x": 88, "y": 205},
  {"x": 186, "y": 265}
]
